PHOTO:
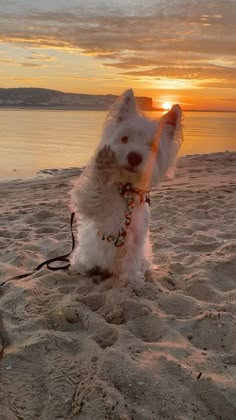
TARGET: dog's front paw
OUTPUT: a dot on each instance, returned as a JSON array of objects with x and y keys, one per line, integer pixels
[
  {"x": 105, "y": 162},
  {"x": 133, "y": 280}
]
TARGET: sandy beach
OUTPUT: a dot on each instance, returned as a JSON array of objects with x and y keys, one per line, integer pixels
[{"x": 72, "y": 348}]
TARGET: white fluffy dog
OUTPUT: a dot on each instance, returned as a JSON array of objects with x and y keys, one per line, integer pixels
[{"x": 111, "y": 196}]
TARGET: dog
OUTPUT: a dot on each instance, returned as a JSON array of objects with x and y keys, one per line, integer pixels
[{"x": 112, "y": 195}]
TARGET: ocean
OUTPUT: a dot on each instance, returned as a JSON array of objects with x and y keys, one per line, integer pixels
[{"x": 33, "y": 140}]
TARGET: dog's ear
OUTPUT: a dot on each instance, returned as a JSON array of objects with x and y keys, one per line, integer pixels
[{"x": 124, "y": 107}]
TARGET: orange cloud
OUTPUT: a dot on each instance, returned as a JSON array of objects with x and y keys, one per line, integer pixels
[{"x": 184, "y": 44}]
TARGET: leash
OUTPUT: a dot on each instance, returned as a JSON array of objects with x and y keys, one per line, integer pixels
[
  {"x": 128, "y": 193},
  {"x": 64, "y": 258}
]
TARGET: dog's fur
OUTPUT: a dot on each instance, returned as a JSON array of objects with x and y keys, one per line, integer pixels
[{"x": 133, "y": 149}]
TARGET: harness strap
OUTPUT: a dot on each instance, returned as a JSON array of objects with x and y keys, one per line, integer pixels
[
  {"x": 130, "y": 195},
  {"x": 64, "y": 258}
]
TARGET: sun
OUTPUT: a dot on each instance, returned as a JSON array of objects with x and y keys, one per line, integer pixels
[{"x": 166, "y": 106}]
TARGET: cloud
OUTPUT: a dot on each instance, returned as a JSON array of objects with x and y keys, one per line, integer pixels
[
  {"x": 175, "y": 39},
  {"x": 5, "y": 61},
  {"x": 22, "y": 79},
  {"x": 188, "y": 72},
  {"x": 40, "y": 57},
  {"x": 34, "y": 65},
  {"x": 219, "y": 84},
  {"x": 13, "y": 62}
]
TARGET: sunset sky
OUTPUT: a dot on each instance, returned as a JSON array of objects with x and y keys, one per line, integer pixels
[{"x": 172, "y": 50}]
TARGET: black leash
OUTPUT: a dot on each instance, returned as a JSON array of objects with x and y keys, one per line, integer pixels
[{"x": 64, "y": 258}]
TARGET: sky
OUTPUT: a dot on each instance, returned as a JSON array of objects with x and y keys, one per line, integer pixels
[{"x": 172, "y": 50}]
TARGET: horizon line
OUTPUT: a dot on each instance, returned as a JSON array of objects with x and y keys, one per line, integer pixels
[{"x": 108, "y": 94}]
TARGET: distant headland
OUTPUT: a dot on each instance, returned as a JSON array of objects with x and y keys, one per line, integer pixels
[
  {"x": 40, "y": 98},
  {"x": 54, "y": 99}
]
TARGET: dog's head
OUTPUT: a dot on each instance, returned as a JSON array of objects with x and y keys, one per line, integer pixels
[{"x": 145, "y": 149}]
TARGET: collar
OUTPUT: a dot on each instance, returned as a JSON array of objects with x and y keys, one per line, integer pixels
[
  {"x": 127, "y": 191},
  {"x": 132, "y": 197}
]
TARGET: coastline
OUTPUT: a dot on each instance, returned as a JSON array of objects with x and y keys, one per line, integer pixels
[
  {"x": 98, "y": 108},
  {"x": 77, "y": 348},
  {"x": 45, "y": 173}
]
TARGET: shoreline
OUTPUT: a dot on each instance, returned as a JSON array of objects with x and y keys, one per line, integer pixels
[
  {"x": 102, "y": 109},
  {"x": 79, "y": 348},
  {"x": 52, "y": 172},
  {"x": 45, "y": 174}
]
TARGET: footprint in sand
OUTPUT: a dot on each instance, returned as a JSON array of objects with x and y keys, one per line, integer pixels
[
  {"x": 40, "y": 216},
  {"x": 5, "y": 234},
  {"x": 93, "y": 300},
  {"x": 12, "y": 217},
  {"x": 105, "y": 336},
  {"x": 22, "y": 235},
  {"x": 201, "y": 289},
  {"x": 179, "y": 305},
  {"x": 148, "y": 328},
  {"x": 46, "y": 229},
  {"x": 212, "y": 331},
  {"x": 223, "y": 275}
]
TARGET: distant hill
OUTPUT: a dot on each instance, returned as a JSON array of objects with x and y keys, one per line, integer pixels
[{"x": 47, "y": 98}]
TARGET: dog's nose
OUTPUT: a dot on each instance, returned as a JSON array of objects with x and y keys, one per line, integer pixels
[{"x": 134, "y": 159}]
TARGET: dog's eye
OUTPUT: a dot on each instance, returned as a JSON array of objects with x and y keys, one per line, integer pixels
[{"x": 125, "y": 139}]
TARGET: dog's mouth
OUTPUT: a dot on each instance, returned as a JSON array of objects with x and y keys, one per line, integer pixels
[{"x": 130, "y": 169}]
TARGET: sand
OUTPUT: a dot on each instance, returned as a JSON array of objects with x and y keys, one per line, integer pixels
[{"x": 78, "y": 349}]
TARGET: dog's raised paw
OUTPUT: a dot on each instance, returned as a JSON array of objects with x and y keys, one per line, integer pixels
[{"x": 105, "y": 161}]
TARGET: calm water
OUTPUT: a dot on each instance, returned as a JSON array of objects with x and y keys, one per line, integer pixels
[{"x": 32, "y": 140}]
